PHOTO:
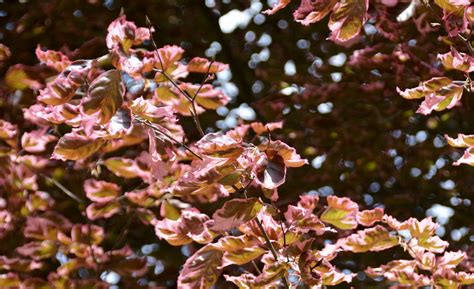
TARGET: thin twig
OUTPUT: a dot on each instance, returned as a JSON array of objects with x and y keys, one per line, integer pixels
[
  {"x": 406, "y": 246},
  {"x": 162, "y": 70},
  {"x": 272, "y": 249},
  {"x": 204, "y": 80},
  {"x": 265, "y": 236},
  {"x": 463, "y": 40},
  {"x": 256, "y": 267},
  {"x": 123, "y": 233},
  {"x": 186, "y": 95},
  {"x": 267, "y": 239},
  {"x": 194, "y": 113},
  {"x": 63, "y": 189},
  {"x": 157, "y": 130},
  {"x": 173, "y": 82},
  {"x": 282, "y": 227},
  {"x": 197, "y": 123},
  {"x": 80, "y": 201}
]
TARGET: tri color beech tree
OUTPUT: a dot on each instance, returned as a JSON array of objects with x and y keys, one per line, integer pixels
[{"x": 110, "y": 159}]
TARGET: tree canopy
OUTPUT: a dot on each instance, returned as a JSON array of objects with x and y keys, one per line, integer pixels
[{"x": 257, "y": 144}]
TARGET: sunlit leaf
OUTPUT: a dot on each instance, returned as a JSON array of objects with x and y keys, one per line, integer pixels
[
  {"x": 105, "y": 95},
  {"x": 74, "y": 146},
  {"x": 202, "y": 269},
  {"x": 235, "y": 212},
  {"x": 341, "y": 213}
]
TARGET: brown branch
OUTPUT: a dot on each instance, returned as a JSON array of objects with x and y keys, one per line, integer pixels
[
  {"x": 157, "y": 130},
  {"x": 256, "y": 267},
  {"x": 265, "y": 235},
  {"x": 80, "y": 201},
  {"x": 406, "y": 246},
  {"x": 464, "y": 40},
  {"x": 186, "y": 95},
  {"x": 204, "y": 79},
  {"x": 196, "y": 121},
  {"x": 64, "y": 189}
]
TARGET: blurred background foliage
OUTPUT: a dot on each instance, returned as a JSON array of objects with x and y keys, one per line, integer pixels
[{"x": 339, "y": 104}]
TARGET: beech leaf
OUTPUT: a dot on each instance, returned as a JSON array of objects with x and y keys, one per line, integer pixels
[
  {"x": 239, "y": 250},
  {"x": 347, "y": 19},
  {"x": 202, "y": 269},
  {"x": 100, "y": 191},
  {"x": 373, "y": 239},
  {"x": 201, "y": 65},
  {"x": 457, "y": 61},
  {"x": 273, "y": 174},
  {"x": 105, "y": 95},
  {"x": 370, "y": 217},
  {"x": 271, "y": 274},
  {"x": 440, "y": 93},
  {"x": 73, "y": 146},
  {"x": 37, "y": 140},
  {"x": 341, "y": 213},
  {"x": 102, "y": 210},
  {"x": 235, "y": 212},
  {"x": 311, "y": 12}
]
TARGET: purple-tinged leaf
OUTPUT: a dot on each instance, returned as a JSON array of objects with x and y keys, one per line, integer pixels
[
  {"x": 235, "y": 212},
  {"x": 202, "y": 269},
  {"x": 105, "y": 95}
]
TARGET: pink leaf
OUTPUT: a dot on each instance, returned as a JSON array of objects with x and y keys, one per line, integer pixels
[
  {"x": 100, "y": 191},
  {"x": 280, "y": 5},
  {"x": 260, "y": 128},
  {"x": 74, "y": 146},
  {"x": 439, "y": 93},
  {"x": 370, "y": 217},
  {"x": 105, "y": 95},
  {"x": 38, "y": 250},
  {"x": 54, "y": 59},
  {"x": 202, "y": 65},
  {"x": 190, "y": 226},
  {"x": 207, "y": 97},
  {"x": 341, "y": 213},
  {"x": 64, "y": 86},
  {"x": 433, "y": 244},
  {"x": 273, "y": 173},
  {"x": 373, "y": 239},
  {"x": 102, "y": 210},
  {"x": 239, "y": 250},
  {"x": 235, "y": 212},
  {"x": 36, "y": 141},
  {"x": 87, "y": 233},
  {"x": 451, "y": 259},
  {"x": 289, "y": 155},
  {"x": 128, "y": 168},
  {"x": 202, "y": 269},
  {"x": 310, "y": 12},
  {"x": 422, "y": 229},
  {"x": 124, "y": 34},
  {"x": 458, "y": 61},
  {"x": 169, "y": 55},
  {"x": 347, "y": 19}
]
